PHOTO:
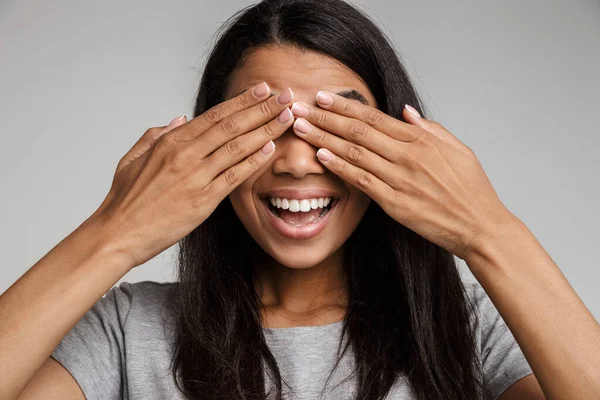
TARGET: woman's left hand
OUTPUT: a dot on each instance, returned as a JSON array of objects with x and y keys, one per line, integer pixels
[{"x": 418, "y": 172}]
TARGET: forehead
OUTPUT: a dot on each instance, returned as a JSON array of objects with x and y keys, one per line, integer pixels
[{"x": 303, "y": 70}]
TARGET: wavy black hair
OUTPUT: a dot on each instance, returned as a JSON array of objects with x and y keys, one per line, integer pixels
[{"x": 408, "y": 316}]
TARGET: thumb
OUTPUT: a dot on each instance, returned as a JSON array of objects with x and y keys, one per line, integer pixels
[
  {"x": 412, "y": 116},
  {"x": 147, "y": 140}
]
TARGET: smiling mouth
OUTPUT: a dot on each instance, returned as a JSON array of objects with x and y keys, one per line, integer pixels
[{"x": 302, "y": 212}]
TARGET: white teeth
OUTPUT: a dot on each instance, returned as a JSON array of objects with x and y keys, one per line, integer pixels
[
  {"x": 294, "y": 206},
  {"x": 303, "y": 205}
]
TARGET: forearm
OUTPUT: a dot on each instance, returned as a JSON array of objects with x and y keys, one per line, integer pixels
[
  {"x": 38, "y": 310},
  {"x": 558, "y": 335}
]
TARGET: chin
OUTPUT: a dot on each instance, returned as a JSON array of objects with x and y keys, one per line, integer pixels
[{"x": 300, "y": 257}]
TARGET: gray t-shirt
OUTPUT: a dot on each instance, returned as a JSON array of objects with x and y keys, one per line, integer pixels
[{"x": 121, "y": 349}]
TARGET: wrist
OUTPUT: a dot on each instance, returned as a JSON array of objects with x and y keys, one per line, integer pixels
[
  {"x": 103, "y": 242},
  {"x": 503, "y": 230}
]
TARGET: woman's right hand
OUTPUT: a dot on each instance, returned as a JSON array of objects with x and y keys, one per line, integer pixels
[{"x": 175, "y": 176}]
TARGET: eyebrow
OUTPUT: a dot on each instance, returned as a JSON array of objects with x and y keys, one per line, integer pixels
[{"x": 352, "y": 94}]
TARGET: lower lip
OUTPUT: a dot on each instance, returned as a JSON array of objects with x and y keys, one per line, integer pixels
[{"x": 298, "y": 232}]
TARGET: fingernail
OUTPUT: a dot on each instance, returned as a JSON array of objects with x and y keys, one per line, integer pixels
[
  {"x": 412, "y": 110},
  {"x": 176, "y": 119},
  {"x": 267, "y": 148},
  {"x": 260, "y": 90},
  {"x": 285, "y": 97},
  {"x": 299, "y": 110},
  {"x": 324, "y": 99},
  {"x": 301, "y": 126},
  {"x": 284, "y": 116},
  {"x": 324, "y": 155}
]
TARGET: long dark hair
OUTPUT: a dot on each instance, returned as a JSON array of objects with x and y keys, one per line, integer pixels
[{"x": 408, "y": 311}]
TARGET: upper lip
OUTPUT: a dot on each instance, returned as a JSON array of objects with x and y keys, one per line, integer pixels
[{"x": 299, "y": 194}]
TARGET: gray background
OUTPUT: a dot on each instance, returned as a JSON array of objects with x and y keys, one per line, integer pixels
[{"x": 517, "y": 81}]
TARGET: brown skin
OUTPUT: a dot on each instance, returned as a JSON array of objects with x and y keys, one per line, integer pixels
[
  {"x": 429, "y": 181},
  {"x": 287, "y": 278},
  {"x": 300, "y": 279},
  {"x": 519, "y": 276},
  {"x": 166, "y": 185}
]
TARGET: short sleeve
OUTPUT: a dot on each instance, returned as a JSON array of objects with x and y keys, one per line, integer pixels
[
  {"x": 93, "y": 350},
  {"x": 502, "y": 358}
]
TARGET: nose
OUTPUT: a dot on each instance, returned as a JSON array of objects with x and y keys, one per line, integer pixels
[{"x": 295, "y": 157}]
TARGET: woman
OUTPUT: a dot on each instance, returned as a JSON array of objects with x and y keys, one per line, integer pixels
[{"x": 318, "y": 219}]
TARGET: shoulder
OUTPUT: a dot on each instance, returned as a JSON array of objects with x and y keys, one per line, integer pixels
[
  {"x": 475, "y": 292},
  {"x": 482, "y": 304},
  {"x": 122, "y": 336},
  {"x": 489, "y": 324},
  {"x": 140, "y": 301},
  {"x": 145, "y": 291},
  {"x": 502, "y": 360}
]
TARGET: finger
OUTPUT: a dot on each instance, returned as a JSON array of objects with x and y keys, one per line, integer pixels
[
  {"x": 353, "y": 153},
  {"x": 147, "y": 140},
  {"x": 217, "y": 113},
  {"x": 411, "y": 115},
  {"x": 351, "y": 129},
  {"x": 240, "y": 123},
  {"x": 238, "y": 148},
  {"x": 231, "y": 178},
  {"x": 384, "y": 123},
  {"x": 363, "y": 180}
]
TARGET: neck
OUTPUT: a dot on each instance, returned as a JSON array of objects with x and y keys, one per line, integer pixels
[{"x": 302, "y": 296}]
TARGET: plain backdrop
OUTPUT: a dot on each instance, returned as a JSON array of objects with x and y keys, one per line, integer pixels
[{"x": 518, "y": 81}]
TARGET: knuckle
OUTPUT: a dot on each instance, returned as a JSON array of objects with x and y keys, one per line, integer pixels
[
  {"x": 410, "y": 161},
  {"x": 421, "y": 140},
  {"x": 164, "y": 144},
  {"x": 152, "y": 132},
  {"x": 176, "y": 161},
  {"x": 230, "y": 177},
  {"x": 321, "y": 118},
  {"x": 214, "y": 114},
  {"x": 233, "y": 147},
  {"x": 193, "y": 130},
  {"x": 355, "y": 154},
  {"x": 230, "y": 125},
  {"x": 364, "y": 179},
  {"x": 319, "y": 136},
  {"x": 265, "y": 108},
  {"x": 254, "y": 161},
  {"x": 344, "y": 105},
  {"x": 358, "y": 131},
  {"x": 399, "y": 180},
  {"x": 198, "y": 199},
  {"x": 339, "y": 167},
  {"x": 269, "y": 130},
  {"x": 374, "y": 117},
  {"x": 246, "y": 100}
]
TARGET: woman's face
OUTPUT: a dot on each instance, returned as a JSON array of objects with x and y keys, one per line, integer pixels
[{"x": 294, "y": 178}]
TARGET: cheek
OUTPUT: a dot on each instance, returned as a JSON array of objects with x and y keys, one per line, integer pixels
[
  {"x": 359, "y": 201},
  {"x": 242, "y": 197}
]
